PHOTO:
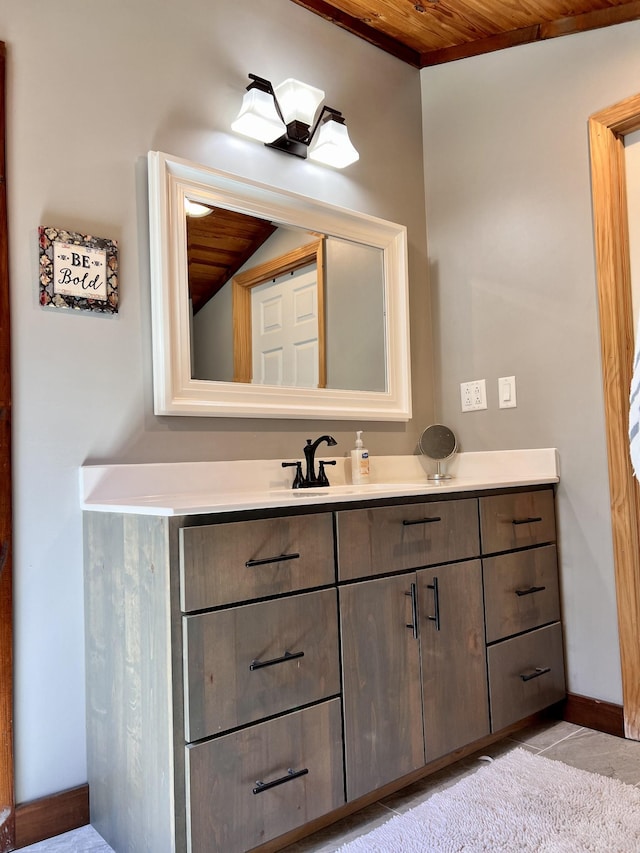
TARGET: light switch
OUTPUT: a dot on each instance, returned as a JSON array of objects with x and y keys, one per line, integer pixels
[{"x": 507, "y": 392}]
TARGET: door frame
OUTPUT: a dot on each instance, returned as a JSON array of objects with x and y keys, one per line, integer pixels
[
  {"x": 607, "y": 130},
  {"x": 7, "y": 795}
]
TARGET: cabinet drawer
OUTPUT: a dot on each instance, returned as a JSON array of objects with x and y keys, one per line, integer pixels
[
  {"x": 226, "y": 810},
  {"x": 517, "y": 520},
  {"x": 521, "y": 591},
  {"x": 228, "y": 563},
  {"x": 391, "y": 538},
  {"x": 260, "y": 659},
  {"x": 526, "y": 674}
]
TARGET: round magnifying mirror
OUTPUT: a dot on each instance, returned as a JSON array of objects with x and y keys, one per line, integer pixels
[{"x": 438, "y": 442}]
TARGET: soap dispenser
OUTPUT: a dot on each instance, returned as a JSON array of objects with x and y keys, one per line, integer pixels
[{"x": 359, "y": 462}]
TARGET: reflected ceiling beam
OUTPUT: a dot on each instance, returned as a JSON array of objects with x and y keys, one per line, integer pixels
[{"x": 218, "y": 246}]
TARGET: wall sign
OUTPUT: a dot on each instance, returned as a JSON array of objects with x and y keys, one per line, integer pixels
[{"x": 78, "y": 271}]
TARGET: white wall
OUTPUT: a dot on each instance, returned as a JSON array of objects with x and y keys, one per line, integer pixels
[
  {"x": 91, "y": 88},
  {"x": 632, "y": 165},
  {"x": 511, "y": 255}
]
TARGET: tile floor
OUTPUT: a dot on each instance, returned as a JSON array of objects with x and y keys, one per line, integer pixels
[{"x": 578, "y": 747}]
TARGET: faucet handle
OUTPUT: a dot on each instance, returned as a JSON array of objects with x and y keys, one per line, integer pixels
[
  {"x": 323, "y": 480},
  {"x": 298, "y": 480}
]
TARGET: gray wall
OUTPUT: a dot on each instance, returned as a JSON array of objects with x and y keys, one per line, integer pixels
[
  {"x": 91, "y": 88},
  {"x": 512, "y": 273}
]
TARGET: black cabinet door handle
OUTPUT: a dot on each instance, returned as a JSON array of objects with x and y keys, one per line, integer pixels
[
  {"x": 436, "y": 603},
  {"x": 260, "y": 664},
  {"x": 431, "y": 520},
  {"x": 530, "y": 590},
  {"x": 526, "y": 520},
  {"x": 414, "y": 611},
  {"x": 291, "y": 774},
  {"x": 266, "y": 560},
  {"x": 537, "y": 672}
]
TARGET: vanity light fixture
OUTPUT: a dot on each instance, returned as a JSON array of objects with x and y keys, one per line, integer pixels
[
  {"x": 196, "y": 210},
  {"x": 283, "y": 118}
]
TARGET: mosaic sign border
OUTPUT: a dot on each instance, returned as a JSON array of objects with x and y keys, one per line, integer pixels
[{"x": 49, "y": 298}]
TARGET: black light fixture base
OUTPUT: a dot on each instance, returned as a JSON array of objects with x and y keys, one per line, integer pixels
[{"x": 289, "y": 146}]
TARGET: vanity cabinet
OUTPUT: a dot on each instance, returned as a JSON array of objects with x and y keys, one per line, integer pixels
[
  {"x": 251, "y": 663},
  {"x": 413, "y": 654},
  {"x": 525, "y": 657},
  {"x": 214, "y": 711},
  {"x": 251, "y": 672}
]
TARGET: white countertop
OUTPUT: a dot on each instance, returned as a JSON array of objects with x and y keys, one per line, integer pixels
[{"x": 188, "y": 488}]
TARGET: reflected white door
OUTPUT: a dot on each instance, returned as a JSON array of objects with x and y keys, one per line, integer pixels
[{"x": 284, "y": 316}]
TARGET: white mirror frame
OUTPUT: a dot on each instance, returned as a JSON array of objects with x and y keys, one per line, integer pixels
[{"x": 171, "y": 180}]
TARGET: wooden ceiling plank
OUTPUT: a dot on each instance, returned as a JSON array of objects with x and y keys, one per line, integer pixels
[
  {"x": 358, "y": 28},
  {"x": 592, "y": 20},
  {"x": 437, "y": 31},
  {"x": 552, "y": 29},
  {"x": 526, "y": 35}
]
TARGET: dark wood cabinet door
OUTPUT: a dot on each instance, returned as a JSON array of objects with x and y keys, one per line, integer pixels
[
  {"x": 517, "y": 520},
  {"x": 526, "y": 674},
  {"x": 241, "y": 560},
  {"x": 454, "y": 673},
  {"x": 382, "y": 694},
  {"x": 521, "y": 591},
  {"x": 387, "y": 539},
  {"x": 250, "y": 662},
  {"x": 257, "y": 783}
]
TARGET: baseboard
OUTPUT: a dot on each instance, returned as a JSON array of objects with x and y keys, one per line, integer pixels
[
  {"x": 594, "y": 714},
  {"x": 49, "y": 816}
]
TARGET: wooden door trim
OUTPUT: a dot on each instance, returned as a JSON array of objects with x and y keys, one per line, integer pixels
[
  {"x": 242, "y": 285},
  {"x": 607, "y": 130},
  {"x": 7, "y": 797}
]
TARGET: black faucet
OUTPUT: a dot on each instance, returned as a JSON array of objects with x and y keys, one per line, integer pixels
[
  {"x": 310, "y": 448},
  {"x": 310, "y": 479}
]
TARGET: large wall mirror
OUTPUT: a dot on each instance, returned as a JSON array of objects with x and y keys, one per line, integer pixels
[{"x": 270, "y": 304}]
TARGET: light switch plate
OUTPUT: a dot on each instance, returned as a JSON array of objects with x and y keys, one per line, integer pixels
[
  {"x": 507, "y": 392},
  {"x": 473, "y": 395}
]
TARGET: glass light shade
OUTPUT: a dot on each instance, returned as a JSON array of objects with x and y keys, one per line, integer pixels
[
  {"x": 195, "y": 209},
  {"x": 332, "y": 145},
  {"x": 298, "y": 101},
  {"x": 258, "y": 117}
]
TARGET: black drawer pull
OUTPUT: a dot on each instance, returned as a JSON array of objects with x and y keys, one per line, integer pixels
[
  {"x": 531, "y": 590},
  {"x": 409, "y": 521},
  {"x": 526, "y": 520},
  {"x": 436, "y": 603},
  {"x": 537, "y": 672},
  {"x": 266, "y": 560},
  {"x": 414, "y": 611},
  {"x": 291, "y": 774},
  {"x": 260, "y": 664}
]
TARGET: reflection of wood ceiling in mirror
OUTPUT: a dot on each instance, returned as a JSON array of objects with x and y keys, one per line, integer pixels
[
  {"x": 429, "y": 32},
  {"x": 217, "y": 247}
]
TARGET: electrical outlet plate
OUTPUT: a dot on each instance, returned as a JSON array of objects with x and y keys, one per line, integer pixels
[{"x": 473, "y": 395}]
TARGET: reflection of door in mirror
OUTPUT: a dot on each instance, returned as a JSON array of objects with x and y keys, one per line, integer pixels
[
  {"x": 284, "y": 330},
  {"x": 278, "y": 320}
]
